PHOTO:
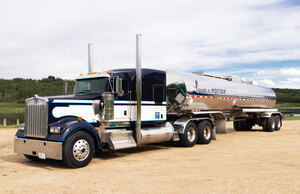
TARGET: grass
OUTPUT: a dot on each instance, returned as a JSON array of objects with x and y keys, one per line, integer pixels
[
  {"x": 291, "y": 118},
  {"x": 12, "y": 107},
  {"x": 8, "y": 126},
  {"x": 286, "y": 104}
]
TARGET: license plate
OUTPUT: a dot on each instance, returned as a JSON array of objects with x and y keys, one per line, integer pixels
[{"x": 42, "y": 155}]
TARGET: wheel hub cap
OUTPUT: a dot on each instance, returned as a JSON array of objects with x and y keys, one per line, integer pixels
[
  {"x": 207, "y": 132},
  {"x": 191, "y": 134},
  {"x": 81, "y": 150}
]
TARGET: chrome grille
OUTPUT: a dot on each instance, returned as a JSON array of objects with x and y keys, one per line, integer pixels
[{"x": 36, "y": 117}]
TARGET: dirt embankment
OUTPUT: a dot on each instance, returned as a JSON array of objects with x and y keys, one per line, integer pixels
[{"x": 254, "y": 161}]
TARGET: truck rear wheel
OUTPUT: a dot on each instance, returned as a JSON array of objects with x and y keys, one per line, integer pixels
[
  {"x": 278, "y": 123},
  {"x": 190, "y": 136},
  {"x": 79, "y": 150},
  {"x": 204, "y": 132}
]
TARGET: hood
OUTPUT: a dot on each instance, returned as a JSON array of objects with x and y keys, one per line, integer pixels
[{"x": 74, "y": 97}]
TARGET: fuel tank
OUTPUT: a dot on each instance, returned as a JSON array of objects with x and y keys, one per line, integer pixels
[{"x": 189, "y": 92}]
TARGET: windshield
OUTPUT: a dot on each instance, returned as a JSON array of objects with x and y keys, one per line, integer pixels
[{"x": 90, "y": 86}]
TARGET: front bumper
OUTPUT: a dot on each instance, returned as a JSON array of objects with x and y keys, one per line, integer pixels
[{"x": 40, "y": 148}]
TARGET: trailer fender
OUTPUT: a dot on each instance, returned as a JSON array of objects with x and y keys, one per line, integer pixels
[{"x": 180, "y": 124}]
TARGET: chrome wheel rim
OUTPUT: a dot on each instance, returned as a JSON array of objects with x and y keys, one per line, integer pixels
[
  {"x": 81, "y": 150},
  {"x": 207, "y": 132},
  {"x": 278, "y": 124},
  {"x": 273, "y": 124},
  {"x": 191, "y": 134}
]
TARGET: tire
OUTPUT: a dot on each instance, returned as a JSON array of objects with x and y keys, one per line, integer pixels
[
  {"x": 204, "y": 132},
  {"x": 236, "y": 125},
  {"x": 264, "y": 124},
  {"x": 243, "y": 125},
  {"x": 32, "y": 158},
  {"x": 190, "y": 136},
  {"x": 270, "y": 124},
  {"x": 78, "y": 150},
  {"x": 278, "y": 123}
]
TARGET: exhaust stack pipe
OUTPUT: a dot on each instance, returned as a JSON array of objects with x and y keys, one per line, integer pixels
[
  {"x": 90, "y": 57},
  {"x": 138, "y": 122}
]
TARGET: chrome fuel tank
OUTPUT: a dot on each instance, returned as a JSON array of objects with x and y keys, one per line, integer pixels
[{"x": 192, "y": 92}]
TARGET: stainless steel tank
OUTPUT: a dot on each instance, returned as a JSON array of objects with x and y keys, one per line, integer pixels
[{"x": 193, "y": 92}]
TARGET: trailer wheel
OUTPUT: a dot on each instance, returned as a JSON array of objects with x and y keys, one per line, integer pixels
[
  {"x": 243, "y": 125},
  {"x": 79, "y": 150},
  {"x": 204, "y": 132},
  {"x": 270, "y": 124},
  {"x": 278, "y": 123},
  {"x": 190, "y": 136},
  {"x": 32, "y": 158},
  {"x": 236, "y": 125}
]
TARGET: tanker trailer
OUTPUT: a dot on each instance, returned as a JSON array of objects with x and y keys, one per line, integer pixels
[{"x": 196, "y": 93}]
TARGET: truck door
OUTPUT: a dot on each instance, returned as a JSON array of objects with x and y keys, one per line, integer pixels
[{"x": 122, "y": 104}]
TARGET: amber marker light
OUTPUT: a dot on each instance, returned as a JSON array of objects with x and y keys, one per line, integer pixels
[
  {"x": 91, "y": 73},
  {"x": 79, "y": 119}
]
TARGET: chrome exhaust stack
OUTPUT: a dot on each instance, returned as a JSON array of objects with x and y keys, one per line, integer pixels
[
  {"x": 90, "y": 57},
  {"x": 138, "y": 122}
]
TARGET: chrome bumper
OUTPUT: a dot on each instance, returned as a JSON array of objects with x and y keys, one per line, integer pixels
[{"x": 39, "y": 148}]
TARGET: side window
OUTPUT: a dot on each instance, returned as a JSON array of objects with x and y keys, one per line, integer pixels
[
  {"x": 125, "y": 86},
  {"x": 158, "y": 94}
]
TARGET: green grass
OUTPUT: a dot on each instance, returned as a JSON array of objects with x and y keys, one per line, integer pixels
[
  {"x": 12, "y": 107},
  {"x": 8, "y": 126},
  {"x": 291, "y": 118},
  {"x": 286, "y": 104}
]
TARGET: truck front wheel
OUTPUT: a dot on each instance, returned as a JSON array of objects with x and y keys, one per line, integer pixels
[
  {"x": 78, "y": 150},
  {"x": 190, "y": 135}
]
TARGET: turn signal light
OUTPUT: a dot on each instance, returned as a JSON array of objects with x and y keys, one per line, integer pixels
[{"x": 79, "y": 119}]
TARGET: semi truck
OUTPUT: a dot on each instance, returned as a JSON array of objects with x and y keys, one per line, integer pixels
[{"x": 125, "y": 108}]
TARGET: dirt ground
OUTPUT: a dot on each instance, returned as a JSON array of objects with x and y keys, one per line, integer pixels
[{"x": 241, "y": 162}]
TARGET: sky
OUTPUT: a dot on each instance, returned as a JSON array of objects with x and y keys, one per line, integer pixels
[{"x": 257, "y": 40}]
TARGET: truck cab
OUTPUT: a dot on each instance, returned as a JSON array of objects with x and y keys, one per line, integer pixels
[{"x": 100, "y": 114}]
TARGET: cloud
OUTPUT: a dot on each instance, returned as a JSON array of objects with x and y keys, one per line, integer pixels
[
  {"x": 291, "y": 71},
  {"x": 39, "y": 38},
  {"x": 267, "y": 82}
]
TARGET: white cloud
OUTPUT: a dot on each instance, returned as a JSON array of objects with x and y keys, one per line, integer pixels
[
  {"x": 39, "y": 38},
  {"x": 291, "y": 71},
  {"x": 267, "y": 82}
]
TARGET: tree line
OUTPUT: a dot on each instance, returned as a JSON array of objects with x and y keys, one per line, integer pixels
[
  {"x": 18, "y": 89},
  {"x": 287, "y": 95}
]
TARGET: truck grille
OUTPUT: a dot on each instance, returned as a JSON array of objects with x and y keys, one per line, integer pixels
[{"x": 36, "y": 117}]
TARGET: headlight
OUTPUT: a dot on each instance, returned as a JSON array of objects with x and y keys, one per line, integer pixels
[
  {"x": 21, "y": 127},
  {"x": 54, "y": 129}
]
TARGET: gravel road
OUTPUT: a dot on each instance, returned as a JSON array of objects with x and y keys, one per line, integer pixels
[{"x": 251, "y": 162}]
